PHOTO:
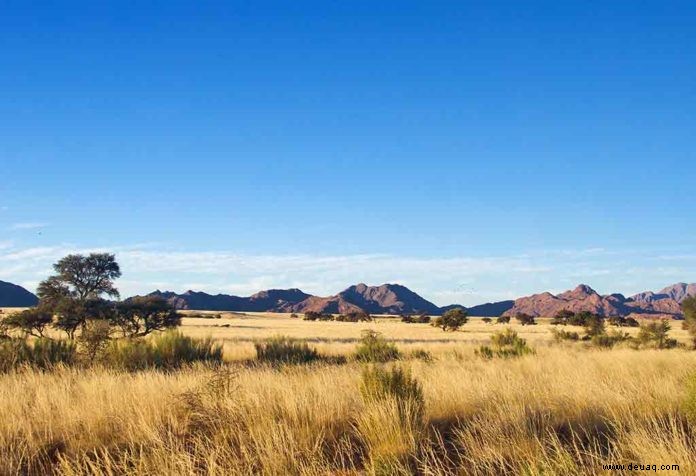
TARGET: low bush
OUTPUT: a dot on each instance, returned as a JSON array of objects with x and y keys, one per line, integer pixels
[
  {"x": 594, "y": 325},
  {"x": 355, "y": 316},
  {"x": 378, "y": 383},
  {"x": 415, "y": 318},
  {"x": 452, "y": 319},
  {"x": 608, "y": 340},
  {"x": 525, "y": 319},
  {"x": 170, "y": 350},
  {"x": 374, "y": 348},
  {"x": 41, "y": 353},
  {"x": 561, "y": 335},
  {"x": 562, "y": 317},
  {"x": 654, "y": 335},
  {"x": 505, "y": 344},
  {"x": 487, "y": 320},
  {"x": 620, "y": 321},
  {"x": 284, "y": 350},
  {"x": 503, "y": 320},
  {"x": 317, "y": 316}
]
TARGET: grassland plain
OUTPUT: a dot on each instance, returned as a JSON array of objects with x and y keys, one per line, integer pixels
[{"x": 568, "y": 409}]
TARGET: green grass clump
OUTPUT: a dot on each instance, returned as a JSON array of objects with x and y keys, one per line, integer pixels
[
  {"x": 378, "y": 383},
  {"x": 375, "y": 348},
  {"x": 169, "y": 350},
  {"x": 40, "y": 353},
  {"x": 505, "y": 344},
  {"x": 285, "y": 350}
]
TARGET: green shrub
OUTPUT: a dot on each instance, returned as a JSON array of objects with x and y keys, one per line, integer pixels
[
  {"x": 284, "y": 350},
  {"x": 169, "y": 350},
  {"x": 317, "y": 316},
  {"x": 655, "y": 335},
  {"x": 594, "y": 325},
  {"x": 581, "y": 318},
  {"x": 374, "y": 348},
  {"x": 378, "y": 384},
  {"x": 562, "y": 317},
  {"x": 41, "y": 353},
  {"x": 355, "y": 316},
  {"x": 505, "y": 344},
  {"x": 525, "y": 319},
  {"x": 422, "y": 318},
  {"x": 608, "y": 340},
  {"x": 561, "y": 335},
  {"x": 452, "y": 319}
]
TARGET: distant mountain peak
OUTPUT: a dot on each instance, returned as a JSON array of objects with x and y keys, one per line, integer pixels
[{"x": 13, "y": 295}]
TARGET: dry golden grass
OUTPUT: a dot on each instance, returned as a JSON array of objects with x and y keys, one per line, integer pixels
[{"x": 567, "y": 410}]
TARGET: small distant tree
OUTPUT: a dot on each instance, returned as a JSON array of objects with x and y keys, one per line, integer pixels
[
  {"x": 655, "y": 334},
  {"x": 31, "y": 322},
  {"x": 562, "y": 317},
  {"x": 487, "y": 320},
  {"x": 142, "y": 315},
  {"x": 452, "y": 319},
  {"x": 689, "y": 309},
  {"x": 525, "y": 319},
  {"x": 594, "y": 326},
  {"x": 580, "y": 318},
  {"x": 503, "y": 320}
]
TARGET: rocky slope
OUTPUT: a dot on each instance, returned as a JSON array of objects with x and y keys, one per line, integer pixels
[
  {"x": 665, "y": 303},
  {"x": 384, "y": 299}
]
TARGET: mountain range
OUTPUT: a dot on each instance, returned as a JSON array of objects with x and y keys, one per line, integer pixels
[{"x": 398, "y": 299}]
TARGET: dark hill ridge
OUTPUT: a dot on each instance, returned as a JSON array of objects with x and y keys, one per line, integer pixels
[
  {"x": 264, "y": 301},
  {"x": 12, "y": 295}
]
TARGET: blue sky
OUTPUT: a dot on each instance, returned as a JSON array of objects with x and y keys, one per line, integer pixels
[{"x": 473, "y": 151}]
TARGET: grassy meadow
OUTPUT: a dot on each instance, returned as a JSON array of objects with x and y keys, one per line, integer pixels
[{"x": 566, "y": 409}]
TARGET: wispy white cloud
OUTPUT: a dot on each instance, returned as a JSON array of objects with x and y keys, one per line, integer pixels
[
  {"x": 459, "y": 279},
  {"x": 28, "y": 226}
]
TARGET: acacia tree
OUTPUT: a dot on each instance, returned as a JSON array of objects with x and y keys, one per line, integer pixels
[
  {"x": 452, "y": 319},
  {"x": 74, "y": 293},
  {"x": 142, "y": 315},
  {"x": 31, "y": 322}
]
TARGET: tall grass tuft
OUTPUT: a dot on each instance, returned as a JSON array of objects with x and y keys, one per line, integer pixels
[
  {"x": 169, "y": 350},
  {"x": 282, "y": 350},
  {"x": 375, "y": 348},
  {"x": 40, "y": 353},
  {"x": 392, "y": 424},
  {"x": 505, "y": 344}
]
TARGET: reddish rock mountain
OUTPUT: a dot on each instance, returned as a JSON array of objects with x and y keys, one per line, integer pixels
[
  {"x": 665, "y": 303},
  {"x": 384, "y": 299}
]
